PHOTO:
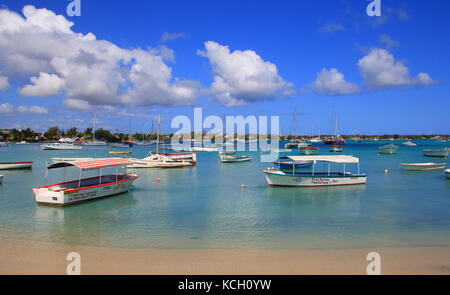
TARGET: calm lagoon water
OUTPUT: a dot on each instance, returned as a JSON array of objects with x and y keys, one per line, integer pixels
[{"x": 204, "y": 206}]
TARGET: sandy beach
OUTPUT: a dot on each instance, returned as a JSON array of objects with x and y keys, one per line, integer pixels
[{"x": 30, "y": 257}]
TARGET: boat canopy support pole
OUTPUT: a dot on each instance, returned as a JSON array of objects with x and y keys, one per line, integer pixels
[
  {"x": 81, "y": 174},
  {"x": 46, "y": 173},
  {"x": 358, "y": 168},
  {"x": 344, "y": 168},
  {"x": 329, "y": 168},
  {"x": 314, "y": 165},
  {"x": 117, "y": 173},
  {"x": 100, "y": 176}
]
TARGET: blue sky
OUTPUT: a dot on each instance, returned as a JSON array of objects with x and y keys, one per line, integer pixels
[{"x": 387, "y": 74}]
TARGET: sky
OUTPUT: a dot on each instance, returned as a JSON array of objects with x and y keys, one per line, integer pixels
[{"x": 304, "y": 61}]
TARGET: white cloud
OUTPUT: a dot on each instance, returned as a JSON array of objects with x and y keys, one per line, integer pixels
[
  {"x": 331, "y": 28},
  {"x": 32, "y": 110},
  {"x": 166, "y": 36},
  {"x": 41, "y": 43},
  {"x": 9, "y": 109},
  {"x": 241, "y": 77},
  {"x": 380, "y": 70},
  {"x": 332, "y": 82},
  {"x": 45, "y": 85},
  {"x": 387, "y": 41},
  {"x": 6, "y": 109},
  {"x": 4, "y": 84}
]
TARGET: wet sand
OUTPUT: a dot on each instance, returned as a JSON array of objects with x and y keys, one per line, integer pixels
[{"x": 30, "y": 257}]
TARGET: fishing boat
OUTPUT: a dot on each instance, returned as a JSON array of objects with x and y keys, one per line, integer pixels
[
  {"x": 336, "y": 149},
  {"x": 388, "y": 148},
  {"x": 120, "y": 152},
  {"x": 224, "y": 158},
  {"x": 423, "y": 166},
  {"x": 447, "y": 173},
  {"x": 83, "y": 189},
  {"x": 285, "y": 163},
  {"x": 60, "y": 146},
  {"x": 15, "y": 165},
  {"x": 307, "y": 150},
  {"x": 436, "y": 153},
  {"x": 409, "y": 143},
  {"x": 314, "y": 178}
]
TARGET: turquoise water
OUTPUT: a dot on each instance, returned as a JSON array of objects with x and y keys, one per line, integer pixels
[{"x": 205, "y": 207}]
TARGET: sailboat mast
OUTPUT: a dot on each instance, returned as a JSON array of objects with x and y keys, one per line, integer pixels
[
  {"x": 157, "y": 137},
  {"x": 93, "y": 131}
]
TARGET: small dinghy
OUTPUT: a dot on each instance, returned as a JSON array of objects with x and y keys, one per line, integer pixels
[
  {"x": 307, "y": 150},
  {"x": 388, "y": 149},
  {"x": 443, "y": 153},
  {"x": 224, "y": 158},
  {"x": 423, "y": 166},
  {"x": 15, "y": 165},
  {"x": 120, "y": 152},
  {"x": 336, "y": 149}
]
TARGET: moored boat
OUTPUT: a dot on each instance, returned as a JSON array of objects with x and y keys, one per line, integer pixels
[
  {"x": 409, "y": 143},
  {"x": 388, "y": 149},
  {"x": 423, "y": 166},
  {"x": 224, "y": 158},
  {"x": 158, "y": 160},
  {"x": 84, "y": 189},
  {"x": 306, "y": 150},
  {"x": 336, "y": 148},
  {"x": 313, "y": 178},
  {"x": 120, "y": 152},
  {"x": 60, "y": 146},
  {"x": 443, "y": 153},
  {"x": 15, "y": 165}
]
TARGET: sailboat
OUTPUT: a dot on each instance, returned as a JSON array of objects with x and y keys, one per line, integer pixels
[
  {"x": 95, "y": 142},
  {"x": 337, "y": 139},
  {"x": 159, "y": 160}
]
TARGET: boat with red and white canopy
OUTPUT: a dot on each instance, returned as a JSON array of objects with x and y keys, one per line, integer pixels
[{"x": 84, "y": 189}]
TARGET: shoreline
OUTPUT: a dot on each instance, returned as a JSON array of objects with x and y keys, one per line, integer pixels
[{"x": 22, "y": 257}]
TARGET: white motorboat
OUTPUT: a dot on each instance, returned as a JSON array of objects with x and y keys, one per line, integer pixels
[
  {"x": 60, "y": 146},
  {"x": 226, "y": 158},
  {"x": 388, "y": 149},
  {"x": 447, "y": 173},
  {"x": 15, "y": 165},
  {"x": 22, "y": 142},
  {"x": 295, "y": 178},
  {"x": 84, "y": 189},
  {"x": 315, "y": 140},
  {"x": 1, "y": 179},
  {"x": 423, "y": 166},
  {"x": 436, "y": 153},
  {"x": 409, "y": 143}
]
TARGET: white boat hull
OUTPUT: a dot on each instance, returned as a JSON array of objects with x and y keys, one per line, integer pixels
[
  {"x": 16, "y": 165},
  {"x": 447, "y": 173},
  {"x": 60, "y": 147},
  {"x": 279, "y": 178},
  {"x": 436, "y": 153},
  {"x": 69, "y": 193},
  {"x": 232, "y": 159},
  {"x": 423, "y": 166}
]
